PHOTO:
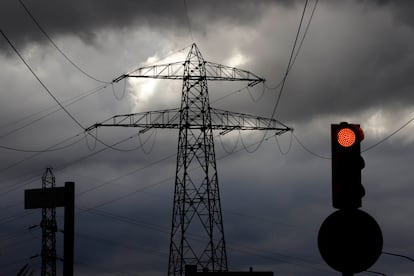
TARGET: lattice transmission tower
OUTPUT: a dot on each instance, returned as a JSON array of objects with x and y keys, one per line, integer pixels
[
  {"x": 49, "y": 229},
  {"x": 197, "y": 235}
]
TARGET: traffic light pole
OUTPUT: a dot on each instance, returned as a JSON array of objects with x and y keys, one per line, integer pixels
[{"x": 349, "y": 240}]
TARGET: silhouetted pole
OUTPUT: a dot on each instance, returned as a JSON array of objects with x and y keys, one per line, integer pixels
[{"x": 69, "y": 229}]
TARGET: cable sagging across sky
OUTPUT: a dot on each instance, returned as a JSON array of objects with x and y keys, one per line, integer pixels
[{"x": 57, "y": 48}]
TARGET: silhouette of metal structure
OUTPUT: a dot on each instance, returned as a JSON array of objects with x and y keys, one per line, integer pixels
[
  {"x": 48, "y": 198},
  {"x": 49, "y": 229},
  {"x": 197, "y": 235}
]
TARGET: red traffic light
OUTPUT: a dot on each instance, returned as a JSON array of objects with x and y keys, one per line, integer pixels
[
  {"x": 346, "y": 137},
  {"x": 348, "y": 134},
  {"x": 347, "y": 163}
]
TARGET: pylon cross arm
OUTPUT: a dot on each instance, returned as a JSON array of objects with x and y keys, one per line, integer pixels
[
  {"x": 170, "y": 118},
  {"x": 228, "y": 121},
  {"x": 175, "y": 71}
]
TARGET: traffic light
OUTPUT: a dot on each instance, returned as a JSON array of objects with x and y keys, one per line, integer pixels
[{"x": 347, "y": 163}]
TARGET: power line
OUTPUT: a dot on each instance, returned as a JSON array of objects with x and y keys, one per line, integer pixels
[
  {"x": 39, "y": 80},
  {"x": 289, "y": 146},
  {"x": 35, "y": 177},
  {"x": 41, "y": 151},
  {"x": 51, "y": 94},
  {"x": 242, "y": 249},
  {"x": 290, "y": 66},
  {"x": 389, "y": 136},
  {"x": 289, "y": 63},
  {"x": 307, "y": 149},
  {"x": 398, "y": 255},
  {"x": 188, "y": 20},
  {"x": 235, "y": 247},
  {"x": 292, "y": 58},
  {"x": 57, "y": 48},
  {"x": 50, "y": 148},
  {"x": 52, "y": 109},
  {"x": 304, "y": 34}
]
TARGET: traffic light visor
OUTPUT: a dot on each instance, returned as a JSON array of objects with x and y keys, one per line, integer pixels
[{"x": 346, "y": 137}]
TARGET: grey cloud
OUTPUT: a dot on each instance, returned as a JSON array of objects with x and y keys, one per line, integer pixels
[
  {"x": 85, "y": 18},
  {"x": 354, "y": 62}
]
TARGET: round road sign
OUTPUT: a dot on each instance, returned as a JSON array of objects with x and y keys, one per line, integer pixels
[{"x": 350, "y": 241}]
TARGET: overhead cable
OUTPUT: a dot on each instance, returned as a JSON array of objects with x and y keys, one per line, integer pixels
[
  {"x": 39, "y": 80},
  {"x": 388, "y": 136},
  {"x": 53, "y": 97},
  {"x": 289, "y": 63},
  {"x": 307, "y": 149},
  {"x": 57, "y": 48},
  {"x": 188, "y": 20}
]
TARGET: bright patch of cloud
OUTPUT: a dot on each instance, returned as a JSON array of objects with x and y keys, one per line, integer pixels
[{"x": 236, "y": 60}]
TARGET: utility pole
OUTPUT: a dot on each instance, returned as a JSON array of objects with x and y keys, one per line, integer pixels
[
  {"x": 49, "y": 228},
  {"x": 197, "y": 207}
]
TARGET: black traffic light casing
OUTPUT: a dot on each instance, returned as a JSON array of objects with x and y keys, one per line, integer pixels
[{"x": 347, "y": 163}]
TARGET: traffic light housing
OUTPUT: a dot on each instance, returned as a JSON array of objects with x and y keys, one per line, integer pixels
[{"x": 347, "y": 163}]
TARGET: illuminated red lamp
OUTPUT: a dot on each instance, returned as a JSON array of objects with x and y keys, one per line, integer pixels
[{"x": 346, "y": 137}]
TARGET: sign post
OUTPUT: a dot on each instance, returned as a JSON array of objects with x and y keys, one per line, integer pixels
[{"x": 57, "y": 197}]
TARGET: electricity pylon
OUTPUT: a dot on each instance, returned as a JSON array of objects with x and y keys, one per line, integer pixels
[
  {"x": 197, "y": 235},
  {"x": 49, "y": 228}
]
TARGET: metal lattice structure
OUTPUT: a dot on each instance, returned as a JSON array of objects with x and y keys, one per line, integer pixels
[
  {"x": 49, "y": 228},
  {"x": 197, "y": 234}
]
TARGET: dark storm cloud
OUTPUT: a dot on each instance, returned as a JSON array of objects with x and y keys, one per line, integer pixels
[
  {"x": 402, "y": 10},
  {"x": 85, "y": 18},
  {"x": 356, "y": 62}
]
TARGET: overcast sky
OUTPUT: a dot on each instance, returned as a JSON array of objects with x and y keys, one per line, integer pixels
[{"x": 356, "y": 64}]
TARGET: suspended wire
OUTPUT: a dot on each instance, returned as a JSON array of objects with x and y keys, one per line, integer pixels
[
  {"x": 289, "y": 147},
  {"x": 298, "y": 48},
  {"x": 50, "y": 148},
  {"x": 39, "y": 80},
  {"x": 119, "y": 98},
  {"x": 132, "y": 246},
  {"x": 152, "y": 145},
  {"x": 304, "y": 34},
  {"x": 257, "y": 145},
  {"x": 188, "y": 20},
  {"x": 251, "y": 251},
  {"x": 42, "y": 151},
  {"x": 375, "y": 272},
  {"x": 67, "y": 102},
  {"x": 389, "y": 136},
  {"x": 53, "y": 97},
  {"x": 260, "y": 96},
  {"x": 35, "y": 177},
  {"x": 141, "y": 189},
  {"x": 56, "y": 47},
  {"x": 234, "y": 146},
  {"x": 398, "y": 255},
  {"x": 234, "y": 247},
  {"x": 307, "y": 149},
  {"x": 288, "y": 67},
  {"x": 93, "y": 146},
  {"x": 165, "y": 230},
  {"x": 228, "y": 95},
  {"x": 154, "y": 184},
  {"x": 289, "y": 62},
  {"x": 110, "y": 181}
]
